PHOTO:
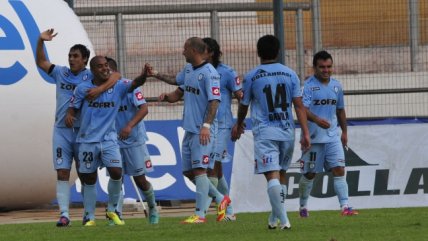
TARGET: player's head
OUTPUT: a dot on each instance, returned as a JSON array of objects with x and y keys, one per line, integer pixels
[
  {"x": 78, "y": 57},
  {"x": 194, "y": 49},
  {"x": 268, "y": 47},
  {"x": 323, "y": 65},
  {"x": 112, "y": 64},
  {"x": 213, "y": 51},
  {"x": 100, "y": 68}
]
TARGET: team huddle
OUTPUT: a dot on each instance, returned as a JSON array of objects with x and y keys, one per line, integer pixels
[{"x": 99, "y": 124}]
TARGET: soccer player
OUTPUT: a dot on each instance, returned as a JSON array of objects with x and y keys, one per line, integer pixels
[
  {"x": 325, "y": 108},
  {"x": 132, "y": 141},
  {"x": 199, "y": 83},
  {"x": 229, "y": 84},
  {"x": 63, "y": 141},
  {"x": 271, "y": 88},
  {"x": 97, "y": 137}
]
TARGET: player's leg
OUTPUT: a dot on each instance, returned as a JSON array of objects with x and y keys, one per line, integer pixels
[
  {"x": 201, "y": 183},
  {"x": 63, "y": 153},
  {"x": 212, "y": 175},
  {"x": 88, "y": 164},
  {"x": 137, "y": 162},
  {"x": 311, "y": 162},
  {"x": 276, "y": 198},
  {"x": 266, "y": 153},
  {"x": 221, "y": 200},
  {"x": 286, "y": 149},
  {"x": 223, "y": 156},
  {"x": 335, "y": 161},
  {"x": 111, "y": 158}
]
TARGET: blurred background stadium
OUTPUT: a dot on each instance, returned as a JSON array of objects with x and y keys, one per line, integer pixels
[{"x": 380, "y": 48}]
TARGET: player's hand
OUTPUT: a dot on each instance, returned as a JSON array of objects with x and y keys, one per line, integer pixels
[
  {"x": 69, "y": 120},
  {"x": 163, "y": 97},
  {"x": 322, "y": 123},
  {"x": 344, "y": 139},
  {"x": 305, "y": 143},
  {"x": 93, "y": 93},
  {"x": 239, "y": 94},
  {"x": 204, "y": 136},
  {"x": 150, "y": 71},
  {"x": 125, "y": 132},
  {"x": 48, "y": 35},
  {"x": 237, "y": 131}
]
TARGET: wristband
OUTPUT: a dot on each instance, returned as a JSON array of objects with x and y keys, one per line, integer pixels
[{"x": 206, "y": 125}]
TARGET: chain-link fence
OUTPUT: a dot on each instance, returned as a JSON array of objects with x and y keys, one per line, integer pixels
[{"x": 379, "y": 47}]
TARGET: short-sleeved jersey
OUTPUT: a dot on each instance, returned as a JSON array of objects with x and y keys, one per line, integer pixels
[
  {"x": 128, "y": 108},
  {"x": 323, "y": 100},
  {"x": 270, "y": 89},
  {"x": 98, "y": 116},
  {"x": 200, "y": 84},
  {"x": 66, "y": 82},
  {"x": 229, "y": 83}
]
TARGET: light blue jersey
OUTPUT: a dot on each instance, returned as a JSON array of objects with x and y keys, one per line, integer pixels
[
  {"x": 200, "y": 84},
  {"x": 66, "y": 82},
  {"x": 323, "y": 101},
  {"x": 98, "y": 116},
  {"x": 129, "y": 106},
  {"x": 270, "y": 89},
  {"x": 229, "y": 83}
]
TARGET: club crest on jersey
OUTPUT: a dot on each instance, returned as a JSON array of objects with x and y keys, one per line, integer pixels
[
  {"x": 205, "y": 160},
  {"x": 85, "y": 77},
  {"x": 336, "y": 89},
  {"x": 110, "y": 90},
  {"x": 59, "y": 161},
  {"x": 216, "y": 91},
  {"x": 200, "y": 76},
  {"x": 139, "y": 95},
  {"x": 237, "y": 80}
]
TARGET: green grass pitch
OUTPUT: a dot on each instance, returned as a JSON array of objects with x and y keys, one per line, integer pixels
[{"x": 406, "y": 224}]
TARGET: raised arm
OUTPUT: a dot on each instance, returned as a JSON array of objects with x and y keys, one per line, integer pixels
[
  {"x": 169, "y": 79},
  {"x": 141, "y": 79},
  {"x": 41, "y": 60},
  {"x": 93, "y": 93}
]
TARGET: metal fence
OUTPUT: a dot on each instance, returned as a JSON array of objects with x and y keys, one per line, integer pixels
[{"x": 379, "y": 47}]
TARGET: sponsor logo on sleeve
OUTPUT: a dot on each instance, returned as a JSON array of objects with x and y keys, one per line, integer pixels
[
  {"x": 139, "y": 96},
  {"x": 216, "y": 91},
  {"x": 205, "y": 160},
  {"x": 237, "y": 80},
  {"x": 148, "y": 164}
]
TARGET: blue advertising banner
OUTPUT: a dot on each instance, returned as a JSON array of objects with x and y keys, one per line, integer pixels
[{"x": 164, "y": 146}]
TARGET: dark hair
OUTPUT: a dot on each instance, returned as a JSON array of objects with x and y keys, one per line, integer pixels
[
  {"x": 83, "y": 50},
  {"x": 197, "y": 44},
  {"x": 94, "y": 59},
  {"x": 112, "y": 63},
  {"x": 213, "y": 47},
  {"x": 324, "y": 55},
  {"x": 268, "y": 47}
]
